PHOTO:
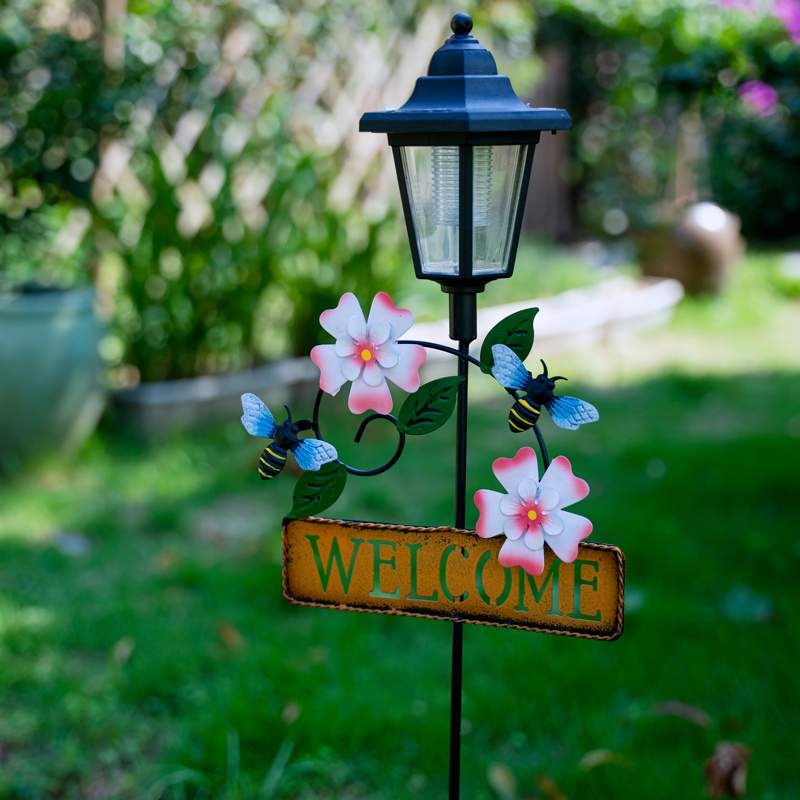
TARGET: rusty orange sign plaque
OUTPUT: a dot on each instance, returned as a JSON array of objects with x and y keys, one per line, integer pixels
[{"x": 450, "y": 574}]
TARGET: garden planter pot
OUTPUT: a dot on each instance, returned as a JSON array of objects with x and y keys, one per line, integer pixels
[
  {"x": 191, "y": 403},
  {"x": 50, "y": 397},
  {"x": 699, "y": 251}
]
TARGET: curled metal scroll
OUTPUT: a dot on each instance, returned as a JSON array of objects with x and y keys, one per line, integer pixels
[
  {"x": 352, "y": 470},
  {"x": 451, "y": 350}
]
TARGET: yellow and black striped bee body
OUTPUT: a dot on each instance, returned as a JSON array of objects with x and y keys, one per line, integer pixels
[
  {"x": 524, "y": 414},
  {"x": 530, "y": 394},
  {"x": 310, "y": 454},
  {"x": 272, "y": 461}
]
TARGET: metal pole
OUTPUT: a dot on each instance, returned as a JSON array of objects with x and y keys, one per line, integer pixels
[
  {"x": 455, "y": 711},
  {"x": 457, "y": 319}
]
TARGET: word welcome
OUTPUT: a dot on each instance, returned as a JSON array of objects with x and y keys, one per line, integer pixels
[{"x": 445, "y": 573}]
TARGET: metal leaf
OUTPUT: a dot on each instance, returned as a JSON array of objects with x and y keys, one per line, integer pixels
[
  {"x": 515, "y": 331},
  {"x": 429, "y": 407},
  {"x": 316, "y": 491}
]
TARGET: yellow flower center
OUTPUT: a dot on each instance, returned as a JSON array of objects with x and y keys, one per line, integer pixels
[
  {"x": 531, "y": 515},
  {"x": 366, "y": 355}
]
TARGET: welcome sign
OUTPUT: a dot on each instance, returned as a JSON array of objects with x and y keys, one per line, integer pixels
[{"x": 450, "y": 574}]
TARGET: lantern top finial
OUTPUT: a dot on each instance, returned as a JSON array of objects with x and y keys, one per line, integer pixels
[
  {"x": 461, "y": 24},
  {"x": 462, "y": 53}
]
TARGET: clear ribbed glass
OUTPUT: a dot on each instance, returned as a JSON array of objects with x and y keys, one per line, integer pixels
[
  {"x": 432, "y": 176},
  {"x": 496, "y": 182},
  {"x": 481, "y": 186},
  {"x": 444, "y": 180}
]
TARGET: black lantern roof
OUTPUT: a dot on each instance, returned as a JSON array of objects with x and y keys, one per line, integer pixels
[{"x": 462, "y": 93}]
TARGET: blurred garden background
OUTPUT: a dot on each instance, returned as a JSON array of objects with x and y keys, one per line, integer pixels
[{"x": 183, "y": 188}]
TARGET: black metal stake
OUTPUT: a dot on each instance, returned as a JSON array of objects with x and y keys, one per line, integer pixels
[
  {"x": 463, "y": 319},
  {"x": 455, "y": 710}
]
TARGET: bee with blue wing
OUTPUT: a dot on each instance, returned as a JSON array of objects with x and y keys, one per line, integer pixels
[
  {"x": 510, "y": 372},
  {"x": 311, "y": 454}
]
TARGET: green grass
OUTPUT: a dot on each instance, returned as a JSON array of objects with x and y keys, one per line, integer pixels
[
  {"x": 165, "y": 662},
  {"x": 541, "y": 269}
]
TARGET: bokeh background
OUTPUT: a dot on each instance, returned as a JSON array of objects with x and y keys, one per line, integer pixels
[{"x": 183, "y": 191}]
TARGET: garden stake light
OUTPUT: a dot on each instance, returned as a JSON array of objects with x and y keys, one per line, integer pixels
[{"x": 463, "y": 147}]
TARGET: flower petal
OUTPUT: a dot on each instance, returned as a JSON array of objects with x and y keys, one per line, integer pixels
[
  {"x": 335, "y": 320},
  {"x": 576, "y": 529},
  {"x": 387, "y": 356},
  {"x": 559, "y": 477},
  {"x": 491, "y": 519},
  {"x": 551, "y": 524},
  {"x": 351, "y": 368},
  {"x": 527, "y": 490},
  {"x": 346, "y": 347},
  {"x": 379, "y": 332},
  {"x": 384, "y": 310},
  {"x": 534, "y": 539},
  {"x": 517, "y": 554},
  {"x": 512, "y": 471},
  {"x": 363, "y": 397},
  {"x": 406, "y": 373},
  {"x": 372, "y": 373},
  {"x": 330, "y": 368},
  {"x": 512, "y": 507},
  {"x": 357, "y": 329},
  {"x": 514, "y": 527},
  {"x": 548, "y": 499}
]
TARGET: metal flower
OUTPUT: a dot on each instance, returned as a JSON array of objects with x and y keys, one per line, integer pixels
[
  {"x": 366, "y": 353},
  {"x": 532, "y": 511}
]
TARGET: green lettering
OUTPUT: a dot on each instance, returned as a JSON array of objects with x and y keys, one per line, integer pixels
[
  {"x": 378, "y": 561},
  {"x": 539, "y": 593},
  {"x": 413, "y": 595},
  {"x": 443, "y": 573},
  {"x": 484, "y": 595},
  {"x": 335, "y": 555},
  {"x": 579, "y": 582}
]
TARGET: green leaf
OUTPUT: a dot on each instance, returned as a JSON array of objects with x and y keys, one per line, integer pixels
[
  {"x": 515, "y": 331},
  {"x": 316, "y": 491},
  {"x": 429, "y": 407}
]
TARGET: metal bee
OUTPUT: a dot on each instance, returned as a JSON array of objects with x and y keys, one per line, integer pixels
[
  {"x": 311, "y": 454},
  {"x": 567, "y": 412}
]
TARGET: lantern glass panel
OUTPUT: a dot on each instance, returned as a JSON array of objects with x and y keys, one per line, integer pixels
[
  {"x": 432, "y": 177},
  {"x": 496, "y": 183}
]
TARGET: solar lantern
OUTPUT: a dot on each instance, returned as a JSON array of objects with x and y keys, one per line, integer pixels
[{"x": 463, "y": 148}]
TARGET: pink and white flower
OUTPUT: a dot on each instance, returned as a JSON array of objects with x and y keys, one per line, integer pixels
[
  {"x": 532, "y": 514},
  {"x": 366, "y": 353}
]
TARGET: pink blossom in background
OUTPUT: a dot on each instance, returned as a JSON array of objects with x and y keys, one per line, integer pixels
[
  {"x": 760, "y": 8},
  {"x": 788, "y": 12},
  {"x": 760, "y": 98}
]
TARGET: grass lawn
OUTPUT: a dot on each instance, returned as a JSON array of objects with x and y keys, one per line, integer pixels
[
  {"x": 541, "y": 269},
  {"x": 146, "y": 649}
]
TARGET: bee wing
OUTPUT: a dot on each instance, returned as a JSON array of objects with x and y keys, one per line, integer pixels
[
  {"x": 311, "y": 454},
  {"x": 509, "y": 371},
  {"x": 257, "y": 419},
  {"x": 570, "y": 413}
]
